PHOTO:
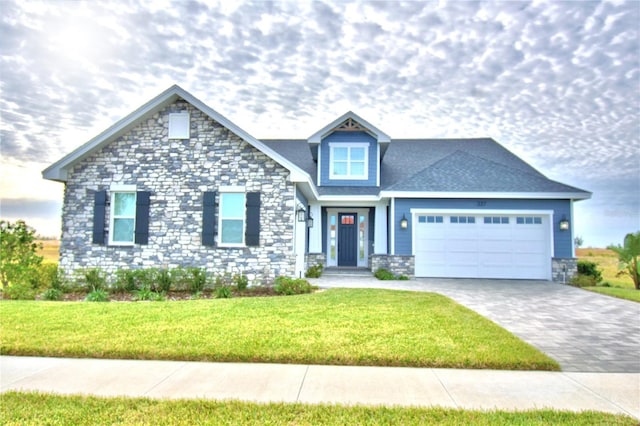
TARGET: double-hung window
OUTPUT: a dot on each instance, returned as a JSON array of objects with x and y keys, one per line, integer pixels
[
  {"x": 123, "y": 217},
  {"x": 232, "y": 218},
  {"x": 349, "y": 161}
]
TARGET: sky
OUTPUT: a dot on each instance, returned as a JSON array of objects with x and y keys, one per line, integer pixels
[{"x": 557, "y": 83}]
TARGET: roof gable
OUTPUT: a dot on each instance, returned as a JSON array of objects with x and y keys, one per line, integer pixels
[
  {"x": 58, "y": 170},
  {"x": 349, "y": 121}
]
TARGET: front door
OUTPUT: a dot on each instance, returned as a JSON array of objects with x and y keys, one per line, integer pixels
[{"x": 347, "y": 239}]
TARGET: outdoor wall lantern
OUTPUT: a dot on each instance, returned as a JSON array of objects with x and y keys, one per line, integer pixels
[
  {"x": 564, "y": 224},
  {"x": 301, "y": 214},
  {"x": 404, "y": 223},
  {"x": 310, "y": 221}
]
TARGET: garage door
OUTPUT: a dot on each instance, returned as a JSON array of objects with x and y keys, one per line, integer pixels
[{"x": 482, "y": 246}]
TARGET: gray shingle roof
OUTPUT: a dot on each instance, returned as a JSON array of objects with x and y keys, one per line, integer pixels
[{"x": 438, "y": 165}]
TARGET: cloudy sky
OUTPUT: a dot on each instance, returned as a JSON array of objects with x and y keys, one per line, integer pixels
[{"x": 557, "y": 83}]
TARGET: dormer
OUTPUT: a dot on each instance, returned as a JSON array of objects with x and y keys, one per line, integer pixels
[{"x": 348, "y": 152}]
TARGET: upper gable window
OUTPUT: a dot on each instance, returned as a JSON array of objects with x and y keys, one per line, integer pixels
[
  {"x": 179, "y": 125},
  {"x": 349, "y": 161}
]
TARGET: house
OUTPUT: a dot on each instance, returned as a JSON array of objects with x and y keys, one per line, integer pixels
[{"x": 177, "y": 184}]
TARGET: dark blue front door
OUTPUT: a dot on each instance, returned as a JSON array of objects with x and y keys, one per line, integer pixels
[{"x": 347, "y": 239}]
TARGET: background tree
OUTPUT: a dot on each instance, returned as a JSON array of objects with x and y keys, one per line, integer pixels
[
  {"x": 628, "y": 255},
  {"x": 578, "y": 241},
  {"x": 18, "y": 248}
]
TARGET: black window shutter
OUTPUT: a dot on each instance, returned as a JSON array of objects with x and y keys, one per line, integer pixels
[
  {"x": 99, "y": 210},
  {"x": 252, "y": 231},
  {"x": 143, "y": 201},
  {"x": 209, "y": 219}
]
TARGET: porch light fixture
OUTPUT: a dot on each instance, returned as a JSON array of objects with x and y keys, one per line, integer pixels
[
  {"x": 564, "y": 224},
  {"x": 404, "y": 222},
  {"x": 310, "y": 221},
  {"x": 301, "y": 214}
]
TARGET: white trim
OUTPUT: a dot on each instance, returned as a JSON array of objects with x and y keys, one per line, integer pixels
[
  {"x": 315, "y": 232},
  {"x": 380, "y": 244},
  {"x": 358, "y": 212},
  {"x": 224, "y": 190},
  {"x": 378, "y": 149},
  {"x": 319, "y": 172},
  {"x": 571, "y": 228},
  {"x": 488, "y": 195},
  {"x": 349, "y": 146},
  {"x": 392, "y": 230},
  {"x": 231, "y": 188},
  {"x": 121, "y": 189}
]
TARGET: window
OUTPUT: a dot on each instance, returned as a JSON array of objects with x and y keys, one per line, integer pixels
[
  {"x": 232, "y": 217},
  {"x": 462, "y": 219},
  {"x": 496, "y": 220},
  {"x": 179, "y": 125},
  {"x": 349, "y": 161},
  {"x": 123, "y": 218},
  {"x": 529, "y": 220}
]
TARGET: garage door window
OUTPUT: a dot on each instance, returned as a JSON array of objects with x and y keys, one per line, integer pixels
[
  {"x": 462, "y": 219},
  {"x": 529, "y": 220},
  {"x": 496, "y": 220},
  {"x": 430, "y": 219}
]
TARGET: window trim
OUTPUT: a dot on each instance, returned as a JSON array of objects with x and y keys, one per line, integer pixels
[
  {"x": 121, "y": 189},
  {"x": 349, "y": 146},
  {"x": 177, "y": 129},
  {"x": 221, "y": 193}
]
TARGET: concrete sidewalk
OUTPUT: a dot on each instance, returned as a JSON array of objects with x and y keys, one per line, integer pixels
[{"x": 469, "y": 389}]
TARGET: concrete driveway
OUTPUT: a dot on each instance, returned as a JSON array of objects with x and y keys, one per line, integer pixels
[{"x": 583, "y": 331}]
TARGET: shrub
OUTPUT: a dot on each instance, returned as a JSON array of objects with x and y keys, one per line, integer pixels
[
  {"x": 384, "y": 275},
  {"x": 93, "y": 279},
  {"x": 22, "y": 290},
  {"x": 223, "y": 292},
  {"x": 580, "y": 280},
  {"x": 164, "y": 280},
  {"x": 197, "y": 279},
  {"x": 52, "y": 294},
  {"x": 588, "y": 268},
  {"x": 99, "y": 295},
  {"x": 314, "y": 271},
  {"x": 241, "y": 281},
  {"x": 125, "y": 281},
  {"x": 18, "y": 256},
  {"x": 288, "y": 286},
  {"x": 146, "y": 293}
]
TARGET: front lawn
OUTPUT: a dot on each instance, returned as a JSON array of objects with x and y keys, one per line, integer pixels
[
  {"x": 35, "y": 409},
  {"x": 621, "y": 293},
  {"x": 339, "y": 326}
]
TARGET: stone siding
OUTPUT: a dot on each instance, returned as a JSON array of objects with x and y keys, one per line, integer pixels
[
  {"x": 177, "y": 173},
  {"x": 563, "y": 269},
  {"x": 313, "y": 259},
  {"x": 396, "y": 264}
]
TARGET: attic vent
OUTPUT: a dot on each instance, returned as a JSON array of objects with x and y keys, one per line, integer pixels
[{"x": 350, "y": 126}]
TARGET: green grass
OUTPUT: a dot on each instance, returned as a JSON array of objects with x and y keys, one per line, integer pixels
[
  {"x": 339, "y": 327},
  {"x": 36, "y": 408},
  {"x": 621, "y": 293},
  {"x": 621, "y": 285}
]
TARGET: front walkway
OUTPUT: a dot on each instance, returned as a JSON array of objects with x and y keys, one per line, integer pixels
[
  {"x": 314, "y": 384},
  {"x": 582, "y": 330}
]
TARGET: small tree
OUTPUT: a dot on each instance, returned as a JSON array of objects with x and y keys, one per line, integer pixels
[
  {"x": 578, "y": 241},
  {"x": 17, "y": 252},
  {"x": 628, "y": 255}
]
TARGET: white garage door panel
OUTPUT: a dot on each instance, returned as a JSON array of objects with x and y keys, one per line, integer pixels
[{"x": 504, "y": 248}]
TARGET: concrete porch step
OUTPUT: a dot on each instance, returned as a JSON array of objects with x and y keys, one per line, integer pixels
[{"x": 347, "y": 271}]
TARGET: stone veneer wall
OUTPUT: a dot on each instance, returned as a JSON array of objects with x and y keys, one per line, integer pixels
[
  {"x": 563, "y": 269},
  {"x": 177, "y": 172},
  {"x": 313, "y": 259},
  {"x": 397, "y": 264}
]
